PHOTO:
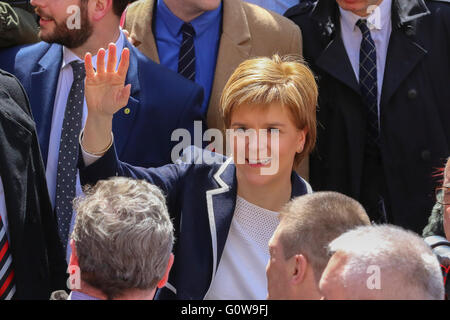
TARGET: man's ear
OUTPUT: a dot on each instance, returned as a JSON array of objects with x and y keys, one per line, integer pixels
[
  {"x": 300, "y": 266},
  {"x": 163, "y": 281},
  {"x": 99, "y": 8},
  {"x": 73, "y": 255}
]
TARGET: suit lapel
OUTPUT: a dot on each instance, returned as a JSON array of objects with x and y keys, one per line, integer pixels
[
  {"x": 235, "y": 47},
  {"x": 124, "y": 119},
  {"x": 42, "y": 94},
  {"x": 142, "y": 29},
  {"x": 15, "y": 142},
  {"x": 334, "y": 60},
  {"x": 220, "y": 203},
  {"x": 398, "y": 64}
]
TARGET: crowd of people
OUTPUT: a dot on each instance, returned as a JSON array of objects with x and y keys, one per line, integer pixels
[{"x": 314, "y": 169}]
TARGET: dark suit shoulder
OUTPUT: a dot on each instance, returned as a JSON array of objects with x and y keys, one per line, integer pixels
[
  {"x": 24, "y": 56},
  {"x": 34, "y": 52},
  {"x": 443, "y": 1},
  {"x": 14, "y": 89},
  {"x": 440, "y": 14},
  {"x": 439, "y": 7},
  {"x": 304, "y": 7}
]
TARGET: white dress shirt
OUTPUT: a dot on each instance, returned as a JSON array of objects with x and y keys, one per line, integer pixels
[
  {"x": 3, "y": 212},
  {"x": 65, "y": 81},
  {"x": 380, "y": 26},
  {"x": 241, "y": 274}
]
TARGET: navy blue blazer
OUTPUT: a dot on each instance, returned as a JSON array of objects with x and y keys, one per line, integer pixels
[
  {"x": 201, "y": 199},
  {"x": 160, "y": 102}
]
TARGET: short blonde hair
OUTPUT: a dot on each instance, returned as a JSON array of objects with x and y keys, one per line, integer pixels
[{"x": 285, "y": 80}]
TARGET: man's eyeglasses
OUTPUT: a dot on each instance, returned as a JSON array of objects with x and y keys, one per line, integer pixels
[{"x": 443, "y": 195}]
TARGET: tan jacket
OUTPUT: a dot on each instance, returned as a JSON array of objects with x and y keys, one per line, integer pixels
[{"x": 247, "y": 31}]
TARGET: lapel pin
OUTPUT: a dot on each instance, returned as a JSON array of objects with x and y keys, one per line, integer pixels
[{"x": 127, "y": 111}]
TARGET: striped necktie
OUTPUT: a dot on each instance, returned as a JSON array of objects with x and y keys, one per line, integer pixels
[
  {"x": 368, "y": 84},
  {"x": 186, "y": 57},
  {"x": 7, "y": 287}
]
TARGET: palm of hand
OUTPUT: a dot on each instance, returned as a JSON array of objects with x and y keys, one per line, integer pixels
[{"x": 105, "y": 90}]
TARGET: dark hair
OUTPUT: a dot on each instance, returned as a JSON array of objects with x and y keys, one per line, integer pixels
[{"x": 119, "y": 6}]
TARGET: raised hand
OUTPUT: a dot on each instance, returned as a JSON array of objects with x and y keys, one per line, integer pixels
[
  {"x": 105, "y": 89},
  {"x": 106, "y": 94}
]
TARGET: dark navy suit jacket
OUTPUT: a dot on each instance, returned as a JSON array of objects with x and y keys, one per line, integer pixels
[
  {"x": 201, "y": 199},
  {"x": 160, "y": 102}
]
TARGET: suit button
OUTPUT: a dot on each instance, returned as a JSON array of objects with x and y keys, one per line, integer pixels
[
  {"x": 409, "y": 31},
  {"x": 412, "y": 93},
  {"x": 426, "y": 155}
]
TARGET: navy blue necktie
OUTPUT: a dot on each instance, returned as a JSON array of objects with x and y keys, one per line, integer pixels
[
  {"x": 186, "y": 57},
  {"x": 368, "y": 84},
  {"x": 68, "y": 153}
]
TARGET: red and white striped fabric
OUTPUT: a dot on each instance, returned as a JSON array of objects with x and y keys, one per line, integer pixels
[{"x": 7, "y": 287}]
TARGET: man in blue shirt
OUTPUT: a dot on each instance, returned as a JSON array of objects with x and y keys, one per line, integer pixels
[
  {"x": 225, "y": 34},
  {"x": 206, "y": 42}
]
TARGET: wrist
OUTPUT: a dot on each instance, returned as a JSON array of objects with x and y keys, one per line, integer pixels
[
  {"x": 96, "y": 135},
  {"x": 95, "y": 153}
]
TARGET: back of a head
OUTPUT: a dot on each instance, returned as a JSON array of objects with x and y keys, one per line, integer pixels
[
  {"x": 310, "y": 222},
  {"x": 123, "y": 236},
  {"x": 407, "y": 267}
]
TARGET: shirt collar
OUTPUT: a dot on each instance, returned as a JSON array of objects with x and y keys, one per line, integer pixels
[
  {"x": 76, "y": 295},
  {"x": 200, "y": 24},
  {"x": 378, "y": 19},
  {"x": 69, "y": 56}
]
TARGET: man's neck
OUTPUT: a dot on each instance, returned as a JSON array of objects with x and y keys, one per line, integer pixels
[
  {"x": 182, "y": 11},
  {"x": 367, "y": 11},
  {"x": 131, "y": 294},
  {"x": 91, "y": 291},
  {"x": 309, "y": 289},
  {"x": 100, "y": 38}
]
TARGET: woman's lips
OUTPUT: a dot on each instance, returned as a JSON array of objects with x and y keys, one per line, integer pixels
[{"x": 258, "y": 163}]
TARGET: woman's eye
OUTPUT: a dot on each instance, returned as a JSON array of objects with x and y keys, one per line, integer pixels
[{"x": 239, "y": 130}]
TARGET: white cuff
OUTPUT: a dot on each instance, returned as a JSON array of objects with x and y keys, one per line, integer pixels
[{"x": 88, "y": 158}]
